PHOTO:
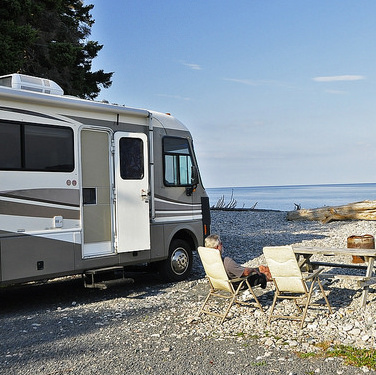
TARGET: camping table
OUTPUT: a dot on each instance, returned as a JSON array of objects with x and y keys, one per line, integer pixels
[{"x": 369, "y": 254}]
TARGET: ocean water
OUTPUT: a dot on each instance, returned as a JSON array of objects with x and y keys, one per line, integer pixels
[{"x": 284, "y": 198}]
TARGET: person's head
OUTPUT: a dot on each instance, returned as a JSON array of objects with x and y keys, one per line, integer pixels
[{"x": 213, "y": 241}]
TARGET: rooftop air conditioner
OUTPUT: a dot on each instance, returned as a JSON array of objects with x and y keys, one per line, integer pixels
[{"x": 36, "y": 84}]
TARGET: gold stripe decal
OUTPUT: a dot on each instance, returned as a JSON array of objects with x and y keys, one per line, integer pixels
[
  {"x": 67, "y": 197},
  {"x": 36, "y": 210}
]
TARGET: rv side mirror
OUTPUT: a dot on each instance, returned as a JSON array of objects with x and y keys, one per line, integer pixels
[
  {"x": 194, "y": 181},
  {"x": 194, "y": 175}
]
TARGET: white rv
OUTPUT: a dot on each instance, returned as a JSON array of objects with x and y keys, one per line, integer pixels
[{"x": 87, "y": 186}]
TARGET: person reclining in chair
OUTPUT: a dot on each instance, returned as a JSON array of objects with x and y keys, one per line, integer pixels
[{"x": 233, "y": 269}]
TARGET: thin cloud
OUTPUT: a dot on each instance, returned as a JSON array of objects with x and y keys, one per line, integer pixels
[
  {"x": 177, "y": 97},
  {"x": 192, "y": 66},
  {"x": 336, "y": 92},
  {"x": 248, "y": 82},
  {"x": 251, "y": 82},
  {"x": 339, "y": 78}
]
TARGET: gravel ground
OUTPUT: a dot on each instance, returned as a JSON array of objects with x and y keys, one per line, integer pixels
[{"x": 151, "y": 327}]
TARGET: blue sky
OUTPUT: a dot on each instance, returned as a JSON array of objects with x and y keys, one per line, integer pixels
[{"x": 273, "y": 92}]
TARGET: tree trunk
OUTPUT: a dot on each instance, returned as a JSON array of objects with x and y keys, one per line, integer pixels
[{"x": 365, "y": 210}]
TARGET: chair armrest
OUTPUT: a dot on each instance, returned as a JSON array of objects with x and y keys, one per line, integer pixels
[
  {"x": 313, "y": 274},
  {"x": 237, "y": 279}
]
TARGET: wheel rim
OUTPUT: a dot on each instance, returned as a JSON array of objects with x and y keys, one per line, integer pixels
[{"x": 179, "y": 261}]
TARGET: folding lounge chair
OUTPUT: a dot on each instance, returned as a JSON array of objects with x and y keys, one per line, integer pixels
[
  {"x": 220, "y": 285},
  {"x": 290, "y": 283}
]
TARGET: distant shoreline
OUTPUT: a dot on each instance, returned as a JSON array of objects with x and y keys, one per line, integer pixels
[
  {"x": 246, "y": 209},
  {"x": 286, "y": 198}
]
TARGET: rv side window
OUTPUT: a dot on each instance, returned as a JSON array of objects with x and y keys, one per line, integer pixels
[
  {"x": 177, "y": 161},
  {"x": 10, "y": 146},
  {"x": 131, "y": 158},
  {"x": 32, "y": 147}
]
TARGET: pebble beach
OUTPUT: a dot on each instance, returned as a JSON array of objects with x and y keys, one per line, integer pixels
[
  {"x": 245, "y": 234},
  {"x": 152, "y": 327}
]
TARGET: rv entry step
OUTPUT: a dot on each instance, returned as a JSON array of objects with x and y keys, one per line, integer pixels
[{"x": 101, "y": 278}]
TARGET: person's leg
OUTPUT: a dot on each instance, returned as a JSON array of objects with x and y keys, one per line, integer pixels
[{"x": 258, "y": 280}]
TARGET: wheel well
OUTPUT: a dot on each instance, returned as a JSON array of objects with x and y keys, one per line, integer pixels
[{"x": 188, "y": 237}]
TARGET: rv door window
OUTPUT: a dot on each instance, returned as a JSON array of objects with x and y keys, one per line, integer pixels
[
  {"x": 33, "y": 147},
  {"x": 177, "y": 162},
  {"x": 131, "y": 158}
]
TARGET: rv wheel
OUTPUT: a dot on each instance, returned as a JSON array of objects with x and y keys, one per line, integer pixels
[{"x": 178, "y": 265}]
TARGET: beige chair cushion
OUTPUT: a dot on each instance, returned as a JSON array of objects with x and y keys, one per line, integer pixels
[
  {"x": 213, "y": 265},
  {"x": 284, "y": 269}
]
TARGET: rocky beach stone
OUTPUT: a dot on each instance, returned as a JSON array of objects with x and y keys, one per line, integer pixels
[{"x": 152, "y": 327}]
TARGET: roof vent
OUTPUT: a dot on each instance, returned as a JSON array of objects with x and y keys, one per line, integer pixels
[{"x": 25, "y": 82}]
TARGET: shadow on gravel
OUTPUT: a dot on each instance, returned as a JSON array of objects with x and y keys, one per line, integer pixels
[
  {"x": 61, "y": 317},
  {"x": 340, "y": 297},
  {"x": 61, "y": 293}
]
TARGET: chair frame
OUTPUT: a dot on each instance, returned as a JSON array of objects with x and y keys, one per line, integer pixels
[
  {"x": 231, "y": 292},
  {"x": 306, "y": 296}
]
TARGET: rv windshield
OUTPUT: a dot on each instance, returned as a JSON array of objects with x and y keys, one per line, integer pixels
[{"x": 177, "y": 162}]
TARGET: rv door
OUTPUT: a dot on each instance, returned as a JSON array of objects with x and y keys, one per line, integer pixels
[
  {"x": 131, "y": 192},
  {"x": 96, "y": 193}
]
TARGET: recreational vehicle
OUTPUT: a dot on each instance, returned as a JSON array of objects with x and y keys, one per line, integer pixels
[{"x": 87, "y": 187}]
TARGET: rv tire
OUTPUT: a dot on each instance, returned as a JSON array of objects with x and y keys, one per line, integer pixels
[{"x": 178, "y": 265}]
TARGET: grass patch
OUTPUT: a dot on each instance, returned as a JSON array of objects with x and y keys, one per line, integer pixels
[
  {"x": 307, "y": 355},
  {"x": 240, "y": 334},
  {"x": 246, "y": 335},
  {"x": 351, "y": 356},
  {"x": 354, "y": 356},
  {"x": 259, "y": 364},
  {"x": 324, "y": 345}
]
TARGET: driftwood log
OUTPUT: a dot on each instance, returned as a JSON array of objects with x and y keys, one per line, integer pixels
[{"x": 365, "y": 210}]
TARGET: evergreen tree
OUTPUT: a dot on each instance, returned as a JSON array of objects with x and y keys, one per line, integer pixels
[{"x": 48, "y": 38}]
